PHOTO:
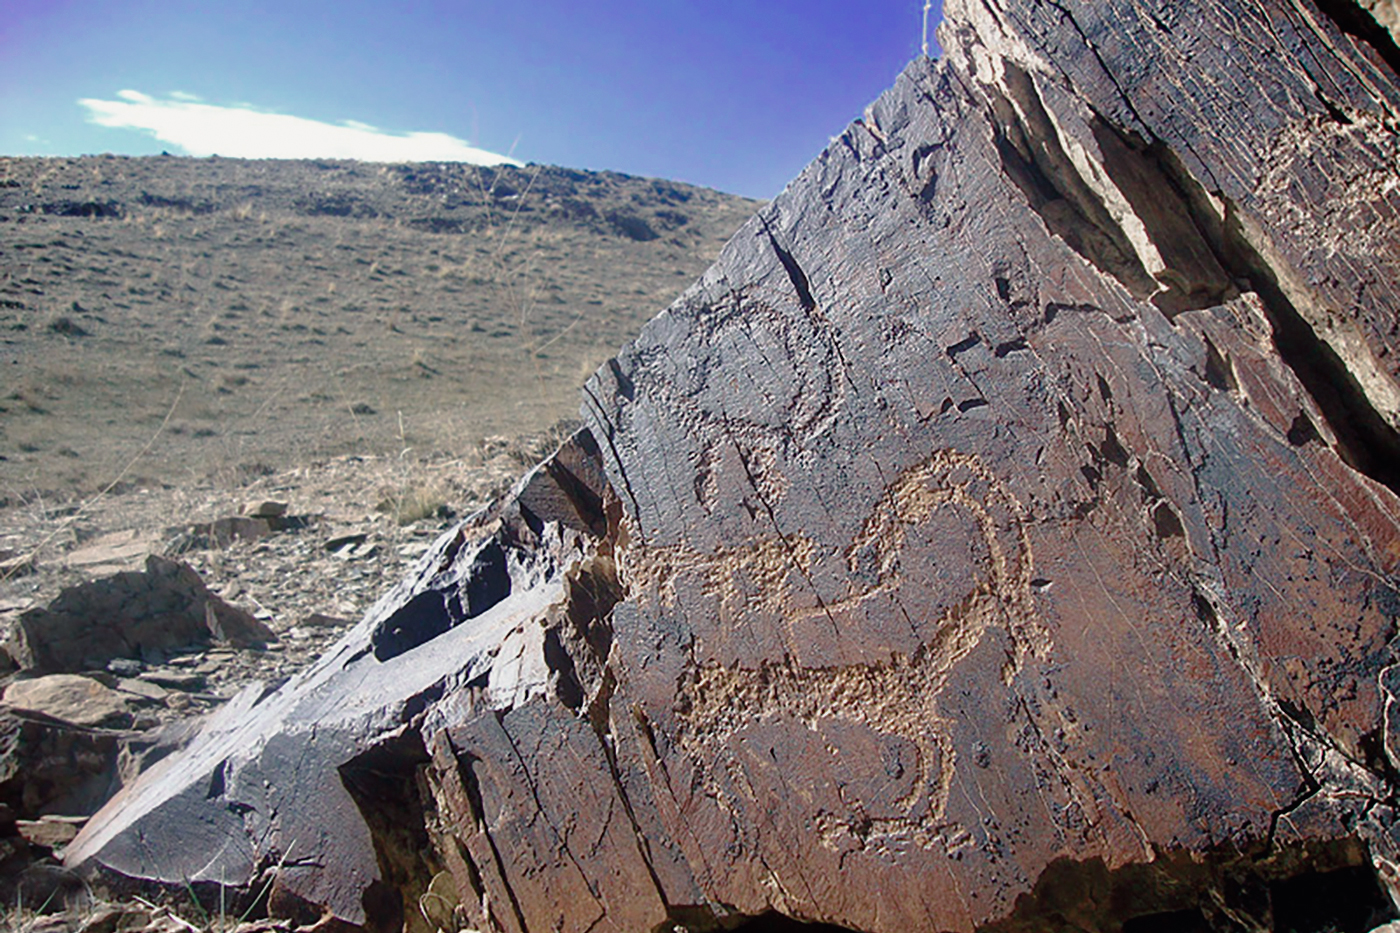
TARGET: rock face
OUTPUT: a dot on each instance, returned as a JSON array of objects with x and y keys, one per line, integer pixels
[{"x": 1003, "y": 533}]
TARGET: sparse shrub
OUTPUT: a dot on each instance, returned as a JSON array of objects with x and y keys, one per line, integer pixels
[
  {"x": 67, "y": 327},
  {"x": 414, "y": 504},
  {"x": 631, "y": 226}
]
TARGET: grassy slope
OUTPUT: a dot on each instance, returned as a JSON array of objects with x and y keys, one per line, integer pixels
[{"x": 268, "y": 313}]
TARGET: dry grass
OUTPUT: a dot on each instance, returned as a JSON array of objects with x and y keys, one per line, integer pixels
[
  {"x": 410, "y": 504},
  {"x": 137, "y": 916},
  {"x": 474, "y": 302}
]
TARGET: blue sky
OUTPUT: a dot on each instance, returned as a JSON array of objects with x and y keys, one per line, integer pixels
[{"x": 733, "y": 95}]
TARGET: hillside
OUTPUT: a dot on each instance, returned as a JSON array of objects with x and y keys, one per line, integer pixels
[{"x": 241, "y": 317}]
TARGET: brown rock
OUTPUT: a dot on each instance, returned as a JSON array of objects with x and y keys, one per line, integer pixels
[
  {"x": 174, "y": 680},
  {"x": 225, "y": 531},
  {"x": 48, "y": 766},
  {"x": 132, "y": 614},
  {"x": 118, "y": 550},
  {"x": 322, "y": 620},
  {"x": 143, "y": 689},
  {"x": 71, "y": 698},
  {"x": 49, "y": 925},
  {"x": 51, "y": 832},
  {"x": 267, "y": 508},
  {"x": 109, "y": 918},
  {"x": 136, "y": 918},
  {"x": 219, "y": 533}
]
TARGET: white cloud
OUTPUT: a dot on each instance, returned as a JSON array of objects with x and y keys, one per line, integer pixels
[{"x": 243, "y": 131}]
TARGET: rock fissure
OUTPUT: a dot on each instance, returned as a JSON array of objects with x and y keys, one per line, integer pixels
[
  {"x": 1033, "y": 157},
  {"x": 1309, "y": 789},
  {"x": 1123, "y": 96},
  {"x": 803, "y": 288},
  {"x": 383, "y": 782},
  {"x": 1196, "y": 246},
  {"x": 643, "y": 846},
  {"x": 600, "y": 412},
  {"x": 561, "y": 837},
  {"x": 797, "y": 556},
  {"x": 501, "y": 875},
  {"x": 795, "y": 275},
  {"x": 1358, "y": 401}
]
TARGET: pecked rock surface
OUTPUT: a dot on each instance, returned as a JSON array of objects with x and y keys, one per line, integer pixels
[{"x": 1002, "y": 534}]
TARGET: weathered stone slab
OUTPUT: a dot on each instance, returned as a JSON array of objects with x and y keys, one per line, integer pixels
[
  {"x": 302, "y": 772},
  {"x": 120, "y": 550},
  {"x": 80, "y": 701}
]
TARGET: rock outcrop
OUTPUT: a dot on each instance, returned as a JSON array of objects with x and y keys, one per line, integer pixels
[
  {"x": 131, "y": 614},
  {"x": 1003, "y": 533}
]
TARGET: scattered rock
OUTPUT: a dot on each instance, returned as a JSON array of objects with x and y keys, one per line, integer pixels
[
  {"x": 414, "y": 550},
  {"x": 170, "y": 922},
  {"x": 495, "y": 445},
  {"x": 111, "y": 918},
  {"x": 339, "y": 543},
  {"x": 71, "y": 698},
  {"x": 267, "y": 926},
  {"x": 174, "y": 680},
  {"x": 322, "y": 620},
  {"x": 68, "y": 327},
  {"x": 267, "y": 508},
  {"x": 145, "y": 689},
  {"x": 15, "y": 563},
  {"x": 51, "y": 832},
  {"x": 216, "y": 534},
  {"x": 118, "y": 550},
  {"x": 9, "y": 623},
  {"x": 180, "y": 702},
  {"x": 241, "y": 629},
  {"x": 11, "y": 604},
  {"x": 362, "y": 550},
  {"x": 125, "y": 667}
]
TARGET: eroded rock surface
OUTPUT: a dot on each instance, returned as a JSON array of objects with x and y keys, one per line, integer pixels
[
  {"x": 1002, "y": 533},
  {"x": 134, "y": 614}
]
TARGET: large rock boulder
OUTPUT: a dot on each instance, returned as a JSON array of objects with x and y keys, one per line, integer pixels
[
  {"x": 141, "y": 614},
  {"x": 1003, "y": 532}
]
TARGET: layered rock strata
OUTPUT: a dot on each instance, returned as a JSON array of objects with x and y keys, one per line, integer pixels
[{"x": 1003, "y": 533}]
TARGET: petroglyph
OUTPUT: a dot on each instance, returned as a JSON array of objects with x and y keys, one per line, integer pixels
[{"x": 896, "y": 698}]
